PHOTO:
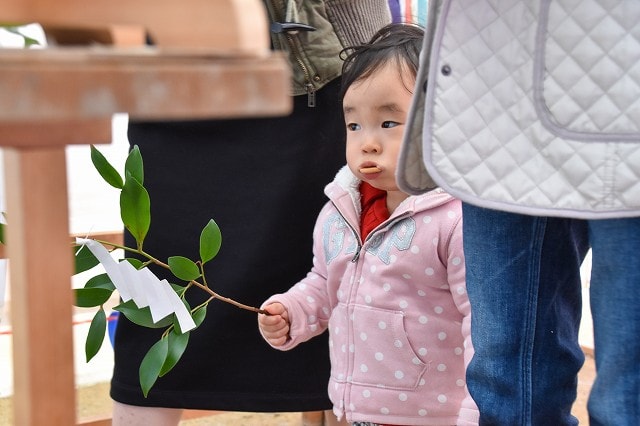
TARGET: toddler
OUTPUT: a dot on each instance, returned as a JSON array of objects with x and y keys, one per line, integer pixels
[{"x": 388, "y": 276}]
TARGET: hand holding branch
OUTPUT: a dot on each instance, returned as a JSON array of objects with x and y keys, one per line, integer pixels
[{"x": 275, "y": 326}]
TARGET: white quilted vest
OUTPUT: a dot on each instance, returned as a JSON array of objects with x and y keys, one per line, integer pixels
[{"x": 531, "y": 107}]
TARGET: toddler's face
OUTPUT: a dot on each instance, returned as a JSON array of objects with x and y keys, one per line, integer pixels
[{"x": 375, "y": 111}]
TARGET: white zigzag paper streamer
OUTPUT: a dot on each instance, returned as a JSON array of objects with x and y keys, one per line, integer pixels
[{"x": 141, "y": 286}]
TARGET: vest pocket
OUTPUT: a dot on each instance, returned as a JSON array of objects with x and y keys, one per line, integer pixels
[{"x": 586, "y": 73}]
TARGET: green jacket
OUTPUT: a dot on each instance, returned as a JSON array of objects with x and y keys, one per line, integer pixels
[{"x": 315, "y": 55}]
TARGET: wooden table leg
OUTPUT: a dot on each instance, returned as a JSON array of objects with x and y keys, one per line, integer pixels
[{"x": 40, "y": 272}]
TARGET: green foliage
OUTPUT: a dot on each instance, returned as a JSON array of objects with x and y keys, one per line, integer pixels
[
  {"x": 84, "y": 259},
  {"x": 106, "y": 170},
  {"x": 161, "y": 358},
  {"x": 91, "y": 297},
  {"x": 95, "y": 337},
  {"x": 210, "y": 241},
  {"x": 101, "y": 281},
  {"x": 136, "y": 217},
  {"x": 142, "y": 316},
  {"x": 177, "y": 346},
  {"x": 152, "y": 363},
  {"x": 199, "y": 314},
  {"x": 135, "y": 205},
  {"x": 135, "y": 209},
  {"x": 136, "y": 263},
  {"x": 133, "y": 166},
  {"x": 183, "y": 268}
]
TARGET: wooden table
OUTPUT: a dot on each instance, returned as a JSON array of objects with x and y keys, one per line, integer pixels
[{"x": 58, "y": 96}]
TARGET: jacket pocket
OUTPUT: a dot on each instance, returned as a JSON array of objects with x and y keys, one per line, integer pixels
[{"x": 382, "y": 355}]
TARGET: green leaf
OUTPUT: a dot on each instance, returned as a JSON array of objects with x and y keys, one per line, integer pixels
[
  {"x": 84, "y": 259},
  {"x": 179, "y": 289},
  {"x": 136, "y": 263},
  {"x": 100, "y": 281},
  {"x": 177, "y": 345},
  {"x": 106, "y": 170},
  {"x": 152, "y": 364},
  {"x": 133, "y": 166},
  {"x": 183, "y": 268},
  {"x": 135, "y": 209},
  {"x": 95, "y": 337},
  {"x": 142, "y": 316},
  {"x": 199, "y": 315},
  {"x": 176, "y": 323},
  {"x": 3, "y": 228},
  {"x": 210, "y": 241},
  {"x": 90, "y": 297}
]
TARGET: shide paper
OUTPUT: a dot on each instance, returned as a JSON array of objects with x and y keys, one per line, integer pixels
[{"x": 141, "y": 286}]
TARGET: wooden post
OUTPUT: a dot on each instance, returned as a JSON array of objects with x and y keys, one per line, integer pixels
[{"x": 40, "y": 271}]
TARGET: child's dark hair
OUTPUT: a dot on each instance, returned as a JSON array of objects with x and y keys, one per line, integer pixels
[{"x": 394, "y": 42}]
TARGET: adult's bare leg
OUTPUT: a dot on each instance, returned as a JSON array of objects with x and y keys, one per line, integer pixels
[{"x": 132, "y": 415}]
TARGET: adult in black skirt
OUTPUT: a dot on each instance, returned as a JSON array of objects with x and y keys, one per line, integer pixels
[{"x": 262, "y": 181}]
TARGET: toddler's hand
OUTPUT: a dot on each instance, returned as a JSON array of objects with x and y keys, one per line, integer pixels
[{"x": 275, "y": 327}]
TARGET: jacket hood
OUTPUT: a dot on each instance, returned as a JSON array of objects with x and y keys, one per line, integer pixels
[{"x": 346, "y": 184}]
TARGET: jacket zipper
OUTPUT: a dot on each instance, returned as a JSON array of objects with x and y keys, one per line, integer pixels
[
  {"x": 356, "y": 256},
  {"x": 348, "y": 385},
  {"x": 311, "y": 89},
  {"x": 361, "y": 246},
  {"x": 354, "y": 259}
]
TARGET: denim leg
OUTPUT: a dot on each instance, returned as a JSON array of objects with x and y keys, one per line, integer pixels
[
  {"x": 615, "y": 299},
  {"x": 523, "y": 282}
]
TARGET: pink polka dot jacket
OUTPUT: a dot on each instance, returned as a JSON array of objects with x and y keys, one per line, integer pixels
[{"x": 395, "y": 306}]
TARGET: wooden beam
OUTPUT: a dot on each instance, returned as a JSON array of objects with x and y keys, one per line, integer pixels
[
  {"x": 56, "y": 133},
  {"x": 50, "y": 85},
  {"x": 228, "y": 25}
]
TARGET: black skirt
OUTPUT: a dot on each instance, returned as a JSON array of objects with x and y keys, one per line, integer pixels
[{"x": 262, "y": 181}]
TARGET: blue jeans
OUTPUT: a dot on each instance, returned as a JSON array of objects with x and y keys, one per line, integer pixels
[
  {"x": 615, "y": 299},
  {"x": 523, "y": 281}
]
